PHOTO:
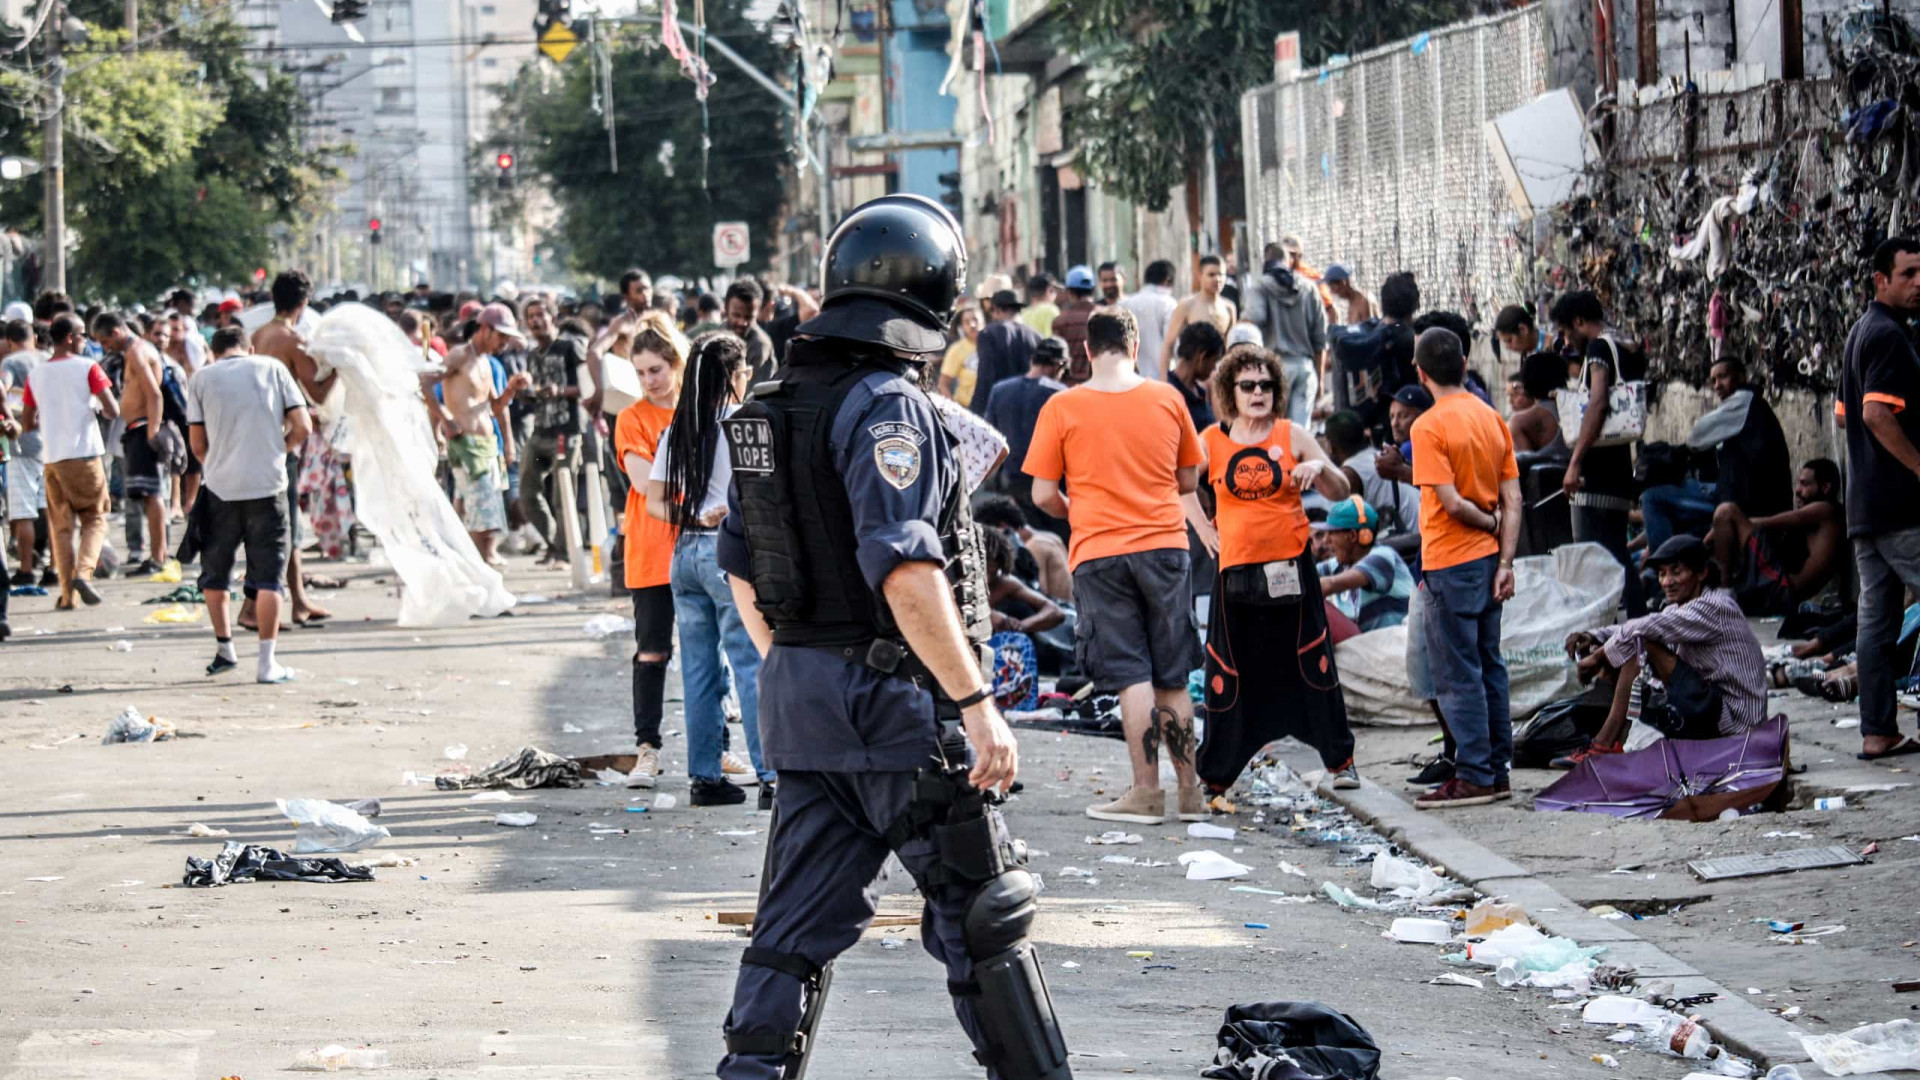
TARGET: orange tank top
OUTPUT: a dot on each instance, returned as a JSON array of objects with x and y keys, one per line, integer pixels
[{"x": 1256, "y": 503}]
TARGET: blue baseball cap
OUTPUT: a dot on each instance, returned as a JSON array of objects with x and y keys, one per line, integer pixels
[
  {"x": 1080, "y": 278},
  {"x": 1349, "y": 514},
  {"x": 1335, "y": 272}
]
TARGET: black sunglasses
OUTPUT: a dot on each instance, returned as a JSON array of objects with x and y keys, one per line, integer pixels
[{"x": 1252, "y": 385}]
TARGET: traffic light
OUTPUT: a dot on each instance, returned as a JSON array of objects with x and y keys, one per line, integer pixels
[
  {"x": 504, "y": 162},
  {"x": 373, "y": 231},
  {"x": 349, "y": 10},
  {"x": 950, "y": 192},
  {"x": 555, "y": 11}
]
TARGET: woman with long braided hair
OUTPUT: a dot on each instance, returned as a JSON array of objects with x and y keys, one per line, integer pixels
[{"x": 688, "y": 486}]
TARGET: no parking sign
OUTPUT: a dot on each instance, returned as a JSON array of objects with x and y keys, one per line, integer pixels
[{"x": 730, "y": 245}]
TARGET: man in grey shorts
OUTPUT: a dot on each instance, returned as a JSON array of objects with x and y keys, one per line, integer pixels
[{"x": 1131, "y": 575}]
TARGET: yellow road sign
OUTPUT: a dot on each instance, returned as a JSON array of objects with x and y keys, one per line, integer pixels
[{"x": 557, "y": 41}]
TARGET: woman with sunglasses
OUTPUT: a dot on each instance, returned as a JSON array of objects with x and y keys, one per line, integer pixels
[{"x": 1269, "y": 670}]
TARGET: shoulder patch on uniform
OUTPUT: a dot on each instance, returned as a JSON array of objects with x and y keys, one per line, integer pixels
[
  {"x": 750, "y": 444},
  {"x": 898, "y": 429},
  {"x": 898, "y": 459}
]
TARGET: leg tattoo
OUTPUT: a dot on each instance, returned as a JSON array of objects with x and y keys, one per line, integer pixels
[
  {"x": 1150, "y": 744},
  {"x": 1177, "y": 736}
]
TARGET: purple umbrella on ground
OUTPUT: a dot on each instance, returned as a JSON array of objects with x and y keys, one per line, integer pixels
[{"x": 1683, "y": 779}]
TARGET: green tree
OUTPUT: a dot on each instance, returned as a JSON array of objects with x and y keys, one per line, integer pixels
[
  {"x": 182, "y": 157},
  {"x": 1164, "y": 72},
  {"x": 654, "y": 212}
]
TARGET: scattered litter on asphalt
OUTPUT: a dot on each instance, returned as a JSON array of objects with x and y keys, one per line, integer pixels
[
  {"x": 328, "y": 826},
  {"x": 518, "y": 821},
  {"x": 1419, "y": 931},
  {"x": 892, "y": 943},
  {"x": 1209, "y": 865},
  {"x": 456, "y": 752},
  {"x": 197, "y": 829},
  {"x": 395, "y": 861},
  {"x": 1868, "y": 1048},
  {"x": 1347, "y": 900},
  {"x": 336, "y": 1058},
  {"x": 1832, "y": 802},
  {"x": 122, "y": 645},
  {"x": 49, "y": 877},
  {"x": 175, "y": 615},
  {"x": 572, "y": 729},
  {"x": 1254, "y": 926},
  {"x": 1455, "y": 979},
  {"x": 663, "y": 801},
  {"x": 1116, "y": 836},
  {"x": 602, "y": 627},
  {"x": 1605, "y": 1059},
  {"x": 1069, "y": 965},
  {"x": 1847, "y": 723},
  {"x": 1256, "y": 889},
  {"x": 131, "y": 727},
  {"x": 529, "y": 767},
  {"x": 490, "y": 796},
  {"x": 1411, "y": 881},
  {"x": 1201, "y": 830},
  {"x": 1872, "y": 848},
  {"x": 637, "y": 809},
  {"x": 1777, "y": 834},
  {"x": 237, "y": 863},
  {"x": 1489, "y": 915},
  {"x": 1140, "y": 954},
  {"x": 1288, "y": 868}
]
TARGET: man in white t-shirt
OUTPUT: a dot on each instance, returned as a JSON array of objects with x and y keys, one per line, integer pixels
[
  {"x": 59, "y": 403},
  {"x": 245, "y": 415}
]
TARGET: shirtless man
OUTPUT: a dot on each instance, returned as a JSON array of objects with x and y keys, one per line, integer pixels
[
  {"x": 143, "y": 405},
  {"x": 1774, "y": 563},
  {"x": 1207, "y": 305},
  {"x": 471, "y": 411},
  {"x": 280, "y": 340},
  {"x": 636, "y": 288}
]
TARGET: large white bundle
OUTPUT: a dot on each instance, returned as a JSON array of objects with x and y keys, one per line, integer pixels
[{"x": 396, "y": 494}]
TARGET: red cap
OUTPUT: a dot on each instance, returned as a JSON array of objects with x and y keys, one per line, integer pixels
[
  {"x": 229, "y": 306},
  {"x": 469, "y": 309}
]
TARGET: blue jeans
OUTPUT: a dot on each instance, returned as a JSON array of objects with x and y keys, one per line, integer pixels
[
  {"x": 710, "y": 623},
  {"x": 1889, "y": 565},
  {"x": 1683, "y": 509},
  {"x": 1470, "y": 678},
  {"x": 1303, "y": 389}
]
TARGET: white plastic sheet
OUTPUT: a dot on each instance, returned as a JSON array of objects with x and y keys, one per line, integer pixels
[
  {"x": 1577, "y": 587},
  {"x": 328, "y": 826},
  {"x": 1868, "y": 1048},
  {"x": 395, "y": 493}
]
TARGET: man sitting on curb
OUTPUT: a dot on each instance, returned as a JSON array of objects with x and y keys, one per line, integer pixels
[
  {"x": 1367, "y": 582},
  {"x": 1698, "y": 646}
]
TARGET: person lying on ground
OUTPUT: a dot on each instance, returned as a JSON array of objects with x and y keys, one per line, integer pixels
[
  {"x": 1778, "y": 561},
  {"x": 1698, "y": 646}
]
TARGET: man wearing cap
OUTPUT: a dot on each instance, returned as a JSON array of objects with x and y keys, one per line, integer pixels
[
  {"x": 1350, "y": 306},
  {"x": 1004, "y": 347},
  {"x": 1395, "y": 462},
  {"x": 857, "y": 570},
  {"x": 1366, "y": 581},
  {"x": 1041, "y": 310},
  {"x": 471, "y": 412},
  {"x": 1699, "y": 646},
  {"x": 1070, "y": 325},
  {"x": 1013, "y": 407},
  {"x": 1286, "y": 308}
]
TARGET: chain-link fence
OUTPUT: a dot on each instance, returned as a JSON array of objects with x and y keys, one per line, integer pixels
[{"x": 1381, "y": 164}]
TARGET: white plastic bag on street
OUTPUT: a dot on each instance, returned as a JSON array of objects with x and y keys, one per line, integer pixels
[
  {"x": 1211, "y": 866},
  {"x": 328, "y": 826},
  {"x": 131, "y": 726},
  {"x": 517, "y": 821},
  {"x": 1869, "y": 1048},
  {"x": 1409, "y": 879},
  {"x": 602, "y": 627}
]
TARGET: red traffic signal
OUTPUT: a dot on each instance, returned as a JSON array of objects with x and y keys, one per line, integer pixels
[
  {"x": 374, "y": 225},
  {"x": 505, "y": 161}
]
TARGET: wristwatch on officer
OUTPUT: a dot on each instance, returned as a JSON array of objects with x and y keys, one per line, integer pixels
[{"x": 975, "y": 698}]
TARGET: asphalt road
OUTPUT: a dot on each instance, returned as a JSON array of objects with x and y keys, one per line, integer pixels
[{"x": 562, "y": 951}]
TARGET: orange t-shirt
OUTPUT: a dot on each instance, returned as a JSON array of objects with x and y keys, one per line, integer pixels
[
  {"x": 1118, "y": 454},
  {"x": 1463, "y": 442},
  {"x": 1256, "y": 503},
  {"x": 649, "y": 541}
]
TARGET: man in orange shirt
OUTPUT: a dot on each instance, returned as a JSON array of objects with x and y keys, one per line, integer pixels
[
  {"x": 1469, "y": 524},
  {"x": 1126, "y": 449}
]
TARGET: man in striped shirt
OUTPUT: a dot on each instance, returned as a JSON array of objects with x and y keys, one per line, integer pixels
[{"x": 1698, "y": 646}]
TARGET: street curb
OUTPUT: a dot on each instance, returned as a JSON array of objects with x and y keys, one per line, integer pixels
[{"x": 1736, "y": 1022}]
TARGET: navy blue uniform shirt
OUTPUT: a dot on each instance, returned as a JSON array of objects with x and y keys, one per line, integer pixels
[{"x": 819, "y": 712}]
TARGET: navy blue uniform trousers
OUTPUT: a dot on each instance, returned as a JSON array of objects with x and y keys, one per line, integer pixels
[{"x": 827, "y": 848}]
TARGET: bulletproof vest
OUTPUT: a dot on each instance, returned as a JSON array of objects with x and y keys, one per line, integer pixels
[{"x": 798, "y": 522}]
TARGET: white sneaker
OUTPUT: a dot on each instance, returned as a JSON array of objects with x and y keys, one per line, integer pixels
[
  {"x": 737, "y": 769},
  {"x": 646, "y": 771}
]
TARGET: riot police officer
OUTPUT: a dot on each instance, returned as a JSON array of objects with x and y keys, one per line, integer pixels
[{"x": 852, "y": 552}]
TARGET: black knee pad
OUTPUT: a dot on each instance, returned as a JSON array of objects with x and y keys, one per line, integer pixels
[{"x": 1000, "y": 914}]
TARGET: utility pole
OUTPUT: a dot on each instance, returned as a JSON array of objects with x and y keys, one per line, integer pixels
[
  {"x": 53, "y": 170},
  {"x": 133, "y": 25}
]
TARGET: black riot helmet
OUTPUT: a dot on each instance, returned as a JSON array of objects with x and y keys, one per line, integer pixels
[{"x": 893, "y": 272}]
